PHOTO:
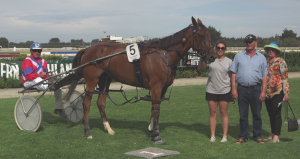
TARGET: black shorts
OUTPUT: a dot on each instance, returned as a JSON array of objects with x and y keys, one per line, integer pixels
[{"x": 218, "y": 97}]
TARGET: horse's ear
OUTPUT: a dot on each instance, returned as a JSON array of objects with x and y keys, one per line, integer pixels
[
  {"x": 194, "y": 22},
  {"x": 199, "y": 21}
]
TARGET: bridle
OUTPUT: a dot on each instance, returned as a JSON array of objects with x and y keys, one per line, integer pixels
[{"x": 200, "y": 52}]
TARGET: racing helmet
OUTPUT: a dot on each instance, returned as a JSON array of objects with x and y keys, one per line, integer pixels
[{"x": 36, "y": 45}]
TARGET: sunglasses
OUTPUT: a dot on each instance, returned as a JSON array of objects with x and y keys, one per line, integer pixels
[
  {"x": 222, "y": 48},
  {"x": 37, "y": 50},
  {"x": 273, "y": 50}
]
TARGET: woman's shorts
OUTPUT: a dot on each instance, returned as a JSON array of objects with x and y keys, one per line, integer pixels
[{"x": 218, "y": 97}]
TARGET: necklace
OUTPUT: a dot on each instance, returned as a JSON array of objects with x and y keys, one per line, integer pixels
[{"x": 274, "y": 59}]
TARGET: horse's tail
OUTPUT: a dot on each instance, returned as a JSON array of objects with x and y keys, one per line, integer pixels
[{"x": 78, "y": 74}]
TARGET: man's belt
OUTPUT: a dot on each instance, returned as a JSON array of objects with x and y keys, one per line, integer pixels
[{"x": 258, "y": 85}]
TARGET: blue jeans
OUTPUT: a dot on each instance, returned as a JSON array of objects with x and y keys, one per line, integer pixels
[{"x": 250, "y": 96}]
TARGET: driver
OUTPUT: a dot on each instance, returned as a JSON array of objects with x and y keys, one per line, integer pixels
[{"x": 34, "y": 70}]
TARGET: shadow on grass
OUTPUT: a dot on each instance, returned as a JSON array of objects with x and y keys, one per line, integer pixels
[
  {"x": 286, "y": 139},
  {"x": 233, "y": 130},
  {"x": 52, "y": 118},
  {"x": 119, "y": 124},
  {"x": 96, "y": 123}
]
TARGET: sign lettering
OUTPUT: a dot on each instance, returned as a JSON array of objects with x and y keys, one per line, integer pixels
[{"x": 14, "y": 69}]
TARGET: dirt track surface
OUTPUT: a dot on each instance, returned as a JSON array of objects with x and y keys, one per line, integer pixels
[{"x": 11, "y": 93}]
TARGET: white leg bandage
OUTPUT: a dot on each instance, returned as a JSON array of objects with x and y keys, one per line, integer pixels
[
  {"x": 150, "y": 127},
  {"x": 107, "y": 127}
]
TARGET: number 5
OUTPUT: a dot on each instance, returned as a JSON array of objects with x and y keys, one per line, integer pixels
[{"x": 132, "y": 49}]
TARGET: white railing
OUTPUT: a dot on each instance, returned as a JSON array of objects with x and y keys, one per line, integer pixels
[
  {"x": 238, "y": 49},
  {"x": 229, "y": 49}
]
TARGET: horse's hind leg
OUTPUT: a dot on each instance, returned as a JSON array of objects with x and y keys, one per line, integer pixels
[
  {"x": 103, "y": 84},
  {"x": 90, "y": 87},
  {"x": 86, "y": 106}
]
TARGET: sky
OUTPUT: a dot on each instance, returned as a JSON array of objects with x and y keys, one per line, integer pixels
[{"x": 36, "y": 20}]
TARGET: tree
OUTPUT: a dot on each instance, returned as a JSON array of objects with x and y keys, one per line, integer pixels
[
  {"x": 78, "y": 42},
  {"x": 54, "y": 40},
  {"x": 290, "y": 42},
  {"x": 94, "y": 41},
  {"x": 4, "y": 42},
  {"x": 152, "y": 39},
  {"x": 288, "y": 34},
  {"x": 214, "y": 34},
  {"x": 29, "y": 42}
]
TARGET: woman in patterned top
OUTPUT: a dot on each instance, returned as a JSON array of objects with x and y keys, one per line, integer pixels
[{"x": 277, "y": 88}]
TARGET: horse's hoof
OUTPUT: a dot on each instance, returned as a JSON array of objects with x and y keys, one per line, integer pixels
[
  {"x": 157, "y": 140},
  {"x": 160, "y": 142},
  {"x": 89, "y": 137},
  {"x": 111, "y": 132}
]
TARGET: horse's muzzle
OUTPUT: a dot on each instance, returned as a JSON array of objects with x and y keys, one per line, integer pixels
[{"x": 211, "y": 59}]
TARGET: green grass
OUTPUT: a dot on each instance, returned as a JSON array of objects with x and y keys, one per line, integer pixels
[{"x": 184, "y": 127}]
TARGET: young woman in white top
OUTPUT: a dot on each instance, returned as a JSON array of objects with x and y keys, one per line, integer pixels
[{"x": 218, "y": 89}]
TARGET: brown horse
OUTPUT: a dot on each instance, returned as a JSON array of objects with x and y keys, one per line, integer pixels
[{"x": 158, "y": 61}]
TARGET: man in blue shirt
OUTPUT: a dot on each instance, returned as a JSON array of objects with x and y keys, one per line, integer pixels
[{"x": 249, "y": 72}]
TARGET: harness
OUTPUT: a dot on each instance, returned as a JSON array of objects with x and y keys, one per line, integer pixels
[
  {"x": 138, "y": 73},
  {"x": 137, "y": 70}
]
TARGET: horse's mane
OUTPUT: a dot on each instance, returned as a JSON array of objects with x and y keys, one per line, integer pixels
[{"x": 171, "y": 39}]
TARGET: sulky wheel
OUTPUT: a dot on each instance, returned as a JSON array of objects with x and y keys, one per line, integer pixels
[
  {"x": 28, "y": 116},
  {"x": 73, "y": 108}
]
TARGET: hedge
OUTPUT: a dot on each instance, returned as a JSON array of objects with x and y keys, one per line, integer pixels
[{"x": 292, "y": 59}]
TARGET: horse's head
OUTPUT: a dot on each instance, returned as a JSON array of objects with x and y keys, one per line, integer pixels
[{"x": 201, "y": 42}]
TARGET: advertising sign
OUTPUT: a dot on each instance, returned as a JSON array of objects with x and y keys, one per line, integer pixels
[{"x": 14, "y": 69}]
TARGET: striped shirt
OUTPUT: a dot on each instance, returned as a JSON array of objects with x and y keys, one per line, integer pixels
[{"x": 31, "y": 67}]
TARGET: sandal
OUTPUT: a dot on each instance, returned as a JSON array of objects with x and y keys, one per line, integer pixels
[
  {"x": 270, "y": 137},
  {"x": 274, "y": 141},
  {"x": 240, "y": 140},
  {"x": 260, "y": 140}
]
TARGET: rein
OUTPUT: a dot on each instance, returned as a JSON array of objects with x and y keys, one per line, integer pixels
[
  {"x": 195, "y": 37},
  {"x": 178, "y": 52},
  {"x": 198, "y": 42}
]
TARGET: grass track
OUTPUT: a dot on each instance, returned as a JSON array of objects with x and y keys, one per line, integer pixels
[{"x": 184, "y": 127}]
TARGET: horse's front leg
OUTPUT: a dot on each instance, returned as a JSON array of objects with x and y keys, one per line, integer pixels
[
  {"x": 101, "y": 106},
  {"x": 155, "y": 111}
]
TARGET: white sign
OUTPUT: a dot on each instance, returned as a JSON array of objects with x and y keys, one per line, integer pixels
[
  {"x": 14, "y": 70},
  {"x": 194, "y": 59},
  {"x": 133, "y": 52},
  {"x": 9, "y": 70}
]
